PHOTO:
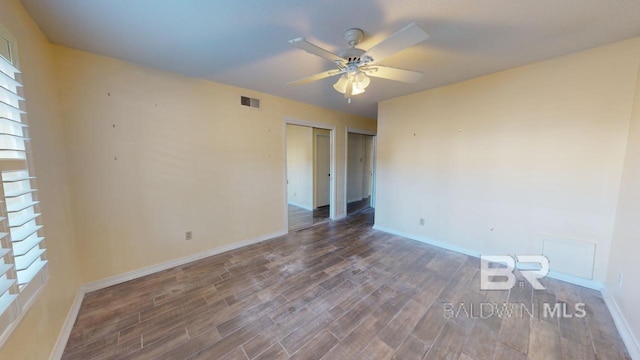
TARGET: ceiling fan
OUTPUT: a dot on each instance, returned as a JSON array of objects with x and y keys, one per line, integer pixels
[{"x": 355, "y": 64}]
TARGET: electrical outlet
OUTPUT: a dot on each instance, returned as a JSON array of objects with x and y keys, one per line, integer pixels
[
  {"x": 620, "y": 276},
  {"x": 188, "y": 235},
  {"x": 422, "y": 221}
]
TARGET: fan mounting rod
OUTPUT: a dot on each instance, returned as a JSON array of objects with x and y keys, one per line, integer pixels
[{"x": 353, "y": 36}]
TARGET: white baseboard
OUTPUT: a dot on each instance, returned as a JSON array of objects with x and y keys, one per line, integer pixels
[
  {"x": 447, "y": 246},
  {"x": 340, "y": 216},
  {"x": 630, "y": 341},
  {"x": 61, "y": 342},
  {"x": 63, "y": 337},
  {"x": 117, "y": 279},
  {"x": 591, "y": 284},
  {"x": 427, "y": 240},
  {"x": 310, "y": 208}
]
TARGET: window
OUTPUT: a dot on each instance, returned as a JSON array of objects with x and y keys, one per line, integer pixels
[{"x": 23, "y": 269}]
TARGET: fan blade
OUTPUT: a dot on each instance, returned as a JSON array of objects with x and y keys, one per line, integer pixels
[
  {"x": 322, "y": 75},
  {"x": 303, "y": 44},
  {"x": 390, "y": 73},
  {"x": 407, "y": 37}
]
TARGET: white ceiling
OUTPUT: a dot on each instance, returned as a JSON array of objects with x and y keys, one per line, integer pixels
[{"x": 244, "y": 42}]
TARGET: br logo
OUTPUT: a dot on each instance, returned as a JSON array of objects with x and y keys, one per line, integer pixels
[{"x": 496, "y": 271}]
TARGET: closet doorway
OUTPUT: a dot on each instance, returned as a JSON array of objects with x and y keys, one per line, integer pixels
[
  {"x": 309, "y": 182},
  {"x": 360, "y": 172}
]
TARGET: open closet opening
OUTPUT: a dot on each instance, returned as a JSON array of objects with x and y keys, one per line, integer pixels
[
  {"x": 309, "y": 178},
  {"x": 360, "y": 172}
]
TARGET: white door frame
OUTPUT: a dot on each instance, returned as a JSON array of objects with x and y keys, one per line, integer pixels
[
  {"x": 346, "y": 161},
  {"x": 332, "y": 162}
]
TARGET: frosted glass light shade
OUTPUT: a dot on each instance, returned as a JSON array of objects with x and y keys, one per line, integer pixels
[
  {"x": 358, "y": 83},
  {"x": 356, "y": 90},
  {"x": 341, "y": 84},
  {"x": 362, "y": 80}
]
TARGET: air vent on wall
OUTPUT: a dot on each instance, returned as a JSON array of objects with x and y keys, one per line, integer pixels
[{"x": 251, "y": 102}]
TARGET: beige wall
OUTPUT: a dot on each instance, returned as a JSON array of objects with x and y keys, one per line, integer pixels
[
  {"x": 493, "y": 162},
  {"x": 300, "y": 166},
  {"x": 189, "y": 157},
  {"x": 626, "y": 238},
  {"x": 36, "y": 333}
]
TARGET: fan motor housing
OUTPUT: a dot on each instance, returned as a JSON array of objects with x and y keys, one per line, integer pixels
[
  {"x": 353, "y": 37},
  {"x": 352, "y": 54}
]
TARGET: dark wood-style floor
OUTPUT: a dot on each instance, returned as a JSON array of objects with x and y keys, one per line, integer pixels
[
  {"x": 300, "y": 218},
  {"x": 360, "y": 205},
  {"x": 338, "y": 290}
]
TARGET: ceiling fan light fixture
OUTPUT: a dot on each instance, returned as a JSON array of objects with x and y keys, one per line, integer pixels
[
  {"x": 361, "y": 80},
  {"x": 341, "y": 84},
  {"x": 355, "y": 65},
  {"x": 356, "y": 90},
  {"x": 355, "y": 83}
]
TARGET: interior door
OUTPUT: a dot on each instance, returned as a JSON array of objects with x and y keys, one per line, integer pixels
[
  {"x": 323, "y": 169},
  {"x": 368, "y": 167}
]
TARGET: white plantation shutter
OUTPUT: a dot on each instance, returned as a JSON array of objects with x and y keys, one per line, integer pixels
[
  {"x": 23, "y": 225},
  {"x": 22, "y": 251}
]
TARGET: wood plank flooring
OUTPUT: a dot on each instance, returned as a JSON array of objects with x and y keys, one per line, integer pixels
[
  {"x": 338, "y": 290},
  {"x": 300, "y": 218},
  {"x": 360, "y": 205}
]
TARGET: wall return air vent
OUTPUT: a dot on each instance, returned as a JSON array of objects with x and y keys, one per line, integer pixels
[{"x": 251, "y": 102}]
